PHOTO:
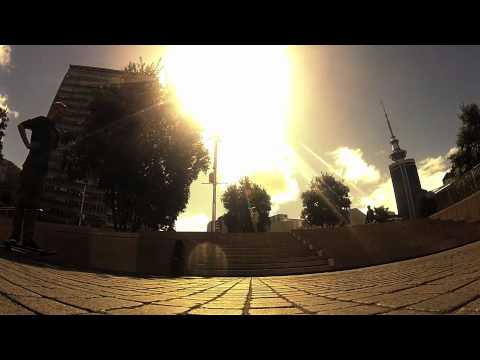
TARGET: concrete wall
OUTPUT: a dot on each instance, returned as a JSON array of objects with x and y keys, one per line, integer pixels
[
  {"x": 373, "y": 244},
  {"x": 468, "y": 210},
  {"x": 150, "y": 253},
  {"x": 155, "y": 253}
]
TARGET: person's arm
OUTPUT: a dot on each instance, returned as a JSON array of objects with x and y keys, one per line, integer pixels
[
  {"x": 28, "y": 124},
  {"x": 23, "y": 135}
]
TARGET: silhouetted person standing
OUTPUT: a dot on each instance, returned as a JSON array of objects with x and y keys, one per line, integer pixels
[
  {"x": 370, "y": 215},
  {"x": 44, "y": 139}
]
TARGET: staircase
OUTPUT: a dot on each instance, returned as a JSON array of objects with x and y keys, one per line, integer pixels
[{"x": 277, "y": 254}]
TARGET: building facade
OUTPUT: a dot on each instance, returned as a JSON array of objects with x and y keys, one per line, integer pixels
[
  {"x": 281, "y": 223},
  {"x": 220, "y": 226},
  {"x": 63, "y": 200}
]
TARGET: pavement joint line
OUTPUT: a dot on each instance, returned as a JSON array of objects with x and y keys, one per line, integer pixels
[
  {"x": 15, "y": 301},
  {"x": 462, "y": 305},
  {"x": 200, "y": 291},
  {"x": 284, "y": 298},
  {"x": 246, "y": 306},
  {"x": 209, "y": 301},
  {"x": 41, "y": 296},
  {"x": 408, "y": 307},
  {"x": 25, "y": 276},
  {"x": 53, "y": 282},
  {"x": 456, "y": 307}
]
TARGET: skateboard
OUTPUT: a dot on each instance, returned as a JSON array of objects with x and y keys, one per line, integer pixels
[{"x": 28, "y": 250}]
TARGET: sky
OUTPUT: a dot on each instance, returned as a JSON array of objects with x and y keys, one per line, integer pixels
[{"x": 293, "y": 111}]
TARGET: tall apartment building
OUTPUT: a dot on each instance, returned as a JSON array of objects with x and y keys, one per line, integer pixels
[{"x": 62, "y": 199}]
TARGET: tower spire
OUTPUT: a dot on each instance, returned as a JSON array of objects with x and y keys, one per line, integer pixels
[
  {"x": 386, "y": 117},
  {"x": 397, "y": 152}
]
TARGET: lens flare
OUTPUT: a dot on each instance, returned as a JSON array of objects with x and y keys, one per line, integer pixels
[{"x": 242, "y": 94}]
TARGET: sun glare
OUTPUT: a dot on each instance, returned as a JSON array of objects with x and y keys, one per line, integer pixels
[{"x": 242, "y": 94}]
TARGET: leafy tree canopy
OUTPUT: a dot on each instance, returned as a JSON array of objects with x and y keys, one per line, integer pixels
[
  {"x": 327, "y": 202},
  {"x": 3, "y": 126},
  {"x": 382, "y": 214},
  {"x": 248, "y": 207},
  {"x": 141, "y": 151},
  {"x": 468, "y": 142}
]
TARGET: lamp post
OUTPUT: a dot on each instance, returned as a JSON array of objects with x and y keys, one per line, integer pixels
[
  {"x": 214, "y": 183},
  {"x": 212, "y": 180},
  {"x": 82, "y": 203}
]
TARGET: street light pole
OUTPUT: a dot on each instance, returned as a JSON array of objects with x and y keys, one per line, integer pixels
[
  {"x": 82, "y": 204},
  {"x": 212, "y": 180},
  {"x": 214, "y": 183}
]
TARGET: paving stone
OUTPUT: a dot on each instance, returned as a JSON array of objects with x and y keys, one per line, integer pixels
[
  {"x": 472, "y": 307},
  {"x": 150, "y": 310},
  {"x": 189, "y": 303},
  {"x": 331, "y": 306},
  {"x": 8, "y": 307},
  {"x": 224, "y": 305},
  {"x": 407, "y": 312},
  {"x": 46, "y": 306},
  {"x": 276, "y": 311},
  {"x": 101, "y": 304},
  {"x": 148, "y": 298},
  {"x": 355, "y": 310},
  {"x": 443, "y": 283},
  {"x": 269, "y": 302},
  {"x": 450, "y": 301},
  {"x": 310, "y": 301},
  {"x": 11, "y": 289},
  {"x": 356, "y": 294},
  {"x": 397, "y": 299},
  {"x": 206, "y": 311}
]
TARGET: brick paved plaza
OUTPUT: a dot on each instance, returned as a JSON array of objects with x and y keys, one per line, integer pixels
[{"x": 444, "y": 283}]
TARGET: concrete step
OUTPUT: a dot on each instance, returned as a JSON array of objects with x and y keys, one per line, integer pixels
[
  {"x": 267, "y": 259},
  {"x": 258, "y": 247},
  {"x": 296, "y": 252},
  {"x": 263, "y": 272},
  {"x": 261, "y": 265}
]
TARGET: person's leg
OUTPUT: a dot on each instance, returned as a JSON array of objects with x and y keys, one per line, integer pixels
[
  {"x": 30, "y": 216},
  {"x": 22, "y": 202}
]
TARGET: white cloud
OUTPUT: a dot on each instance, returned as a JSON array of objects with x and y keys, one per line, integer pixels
[
  {"x": 432, "y": 170},
  {"x": 5, "y": 55},
  {"x": 4, "y": 105},
  {"x": 381, "y": 195},
  {"x": 452, "y": 151},
  {"x": 352, "y": 167},
  {"x": 195, "y": 223}
]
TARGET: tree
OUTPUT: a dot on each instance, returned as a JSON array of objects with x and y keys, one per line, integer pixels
[
  {"x": 242, "y": 201},
  {"x": 9, "y": 183},
  {"x": 3, "y": 125},
  {"x": 468, "y": 142},
  {"x": 327, "y": 202},
  {"x": 141, "y": 68},
  {"x": 141, "y": 151},
  {"x": 382, "y": 214}
]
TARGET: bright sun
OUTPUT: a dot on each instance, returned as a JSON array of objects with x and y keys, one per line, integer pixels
[{"x": 242, "y": 94}]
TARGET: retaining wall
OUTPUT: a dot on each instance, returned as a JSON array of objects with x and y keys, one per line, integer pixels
[
  {"x": 468, "y": 210},
  {"x": 374, "y": 244}
]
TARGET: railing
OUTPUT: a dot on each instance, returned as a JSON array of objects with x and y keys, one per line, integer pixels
[
  {"x": 7, "y": 211},
  {"x": 466, "y": 185}
]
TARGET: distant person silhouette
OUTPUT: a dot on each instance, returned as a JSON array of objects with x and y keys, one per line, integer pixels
[
  {"x": 370, "y": 215},
  {"x": 44, "y": 139}
]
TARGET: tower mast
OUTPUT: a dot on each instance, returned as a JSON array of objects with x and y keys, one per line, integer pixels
[
  {"x": 388, "y": 121},
  {"x": 397, "y": 152}
]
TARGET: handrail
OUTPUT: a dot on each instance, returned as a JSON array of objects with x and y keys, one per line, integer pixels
[{"x": 461, "y": 188}]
